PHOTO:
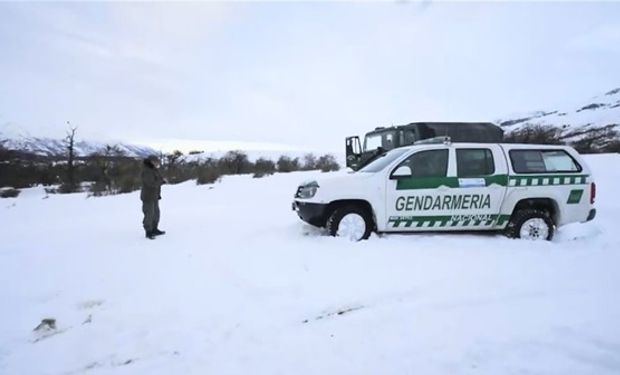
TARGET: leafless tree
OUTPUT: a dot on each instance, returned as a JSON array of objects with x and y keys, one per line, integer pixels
[
  {"x": 173, "y": 158},
  {"x": 70, "y": 144}
]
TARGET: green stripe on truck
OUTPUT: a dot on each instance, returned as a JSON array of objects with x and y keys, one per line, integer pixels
[
  {"x": 492, "y": 221},
  {"x": 575, "y": 196}
]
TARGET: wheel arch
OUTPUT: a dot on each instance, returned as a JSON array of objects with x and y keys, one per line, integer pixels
[
  {"x": 542, "y": 203},
  {"x": 332, "y": 206}
]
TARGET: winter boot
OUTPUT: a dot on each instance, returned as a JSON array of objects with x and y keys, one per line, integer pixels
[
  {"x": 149, "y": 234},
  {"x": 158, "y": 232}
]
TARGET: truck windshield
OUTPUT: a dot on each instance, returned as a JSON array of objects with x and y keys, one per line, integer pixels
[
  {"x": 383, "y": 161},
  {"x": 384, "y": 139},
  {"x": 372, "y": 142}
]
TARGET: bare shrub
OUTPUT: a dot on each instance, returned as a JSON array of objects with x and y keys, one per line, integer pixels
[
  {"x": 9, "y": 192},
  {"x": 264, "y": 167},
  {"x": 327, "y": 163},
  {"x": 287, "y": 164},
  {"x": 310, "y": 162},
  {"x": 533, "y": 133}
]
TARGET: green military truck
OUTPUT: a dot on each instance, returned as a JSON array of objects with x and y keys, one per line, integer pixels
[{"x": 383, "y": 139}]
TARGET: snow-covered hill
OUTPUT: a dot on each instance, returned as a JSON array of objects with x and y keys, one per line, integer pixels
[
  {"x": 16, "y": 139},
  {"x": 240, "y": 285},
  {"x": 575, "y": 120},
  {"x": 55, "y": 147}
]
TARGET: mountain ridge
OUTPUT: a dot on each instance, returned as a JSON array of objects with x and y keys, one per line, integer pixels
[
  {"x": 54, "y": 147},
  {"x": 595, "y": 120}
]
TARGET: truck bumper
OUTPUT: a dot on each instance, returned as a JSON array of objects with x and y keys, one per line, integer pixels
[
  {"x": 592, "y": 214},
  {"x": 311, "y": 213}
]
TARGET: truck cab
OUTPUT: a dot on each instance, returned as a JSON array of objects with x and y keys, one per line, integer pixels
[{"x": 382, "y": 139}]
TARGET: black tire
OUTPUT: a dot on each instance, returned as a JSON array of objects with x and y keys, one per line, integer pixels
[
  {"x": 513, "y": 230},
  {"x": 334, "y": 219}
]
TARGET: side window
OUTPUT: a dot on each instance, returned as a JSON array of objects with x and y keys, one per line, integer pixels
[
  {"x": 474, "y": 162},
  {"x": 353, "y": 146},
  {"x": 409, "y": 137},
  {"x": 542, "y": 161},
  {"x": 431, "y": 163},
  {"x": 388, "y": 142}
]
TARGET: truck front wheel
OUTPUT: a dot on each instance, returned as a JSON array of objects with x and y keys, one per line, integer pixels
[
  {"x": 352, "y": 222},
  {"x": 531, "y": 224}
]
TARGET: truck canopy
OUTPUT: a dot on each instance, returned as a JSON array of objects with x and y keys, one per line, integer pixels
[
  {"x": 404, "y": 135},
  {"x": 482, "y": 132}
]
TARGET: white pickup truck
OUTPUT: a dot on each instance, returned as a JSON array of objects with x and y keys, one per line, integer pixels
[{"x": 526, "y": 191}]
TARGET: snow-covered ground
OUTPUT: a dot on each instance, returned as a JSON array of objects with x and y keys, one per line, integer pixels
[{"x": 240, "y": 285}]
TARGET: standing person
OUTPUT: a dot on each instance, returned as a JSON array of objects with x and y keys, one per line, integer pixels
[{"x": 150, "y": 196}]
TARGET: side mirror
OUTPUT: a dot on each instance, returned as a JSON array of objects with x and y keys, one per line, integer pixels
[{"x": 402, "y": 172}]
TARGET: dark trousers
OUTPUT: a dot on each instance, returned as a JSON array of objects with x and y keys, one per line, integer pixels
[{"x": 151, "y": 215}]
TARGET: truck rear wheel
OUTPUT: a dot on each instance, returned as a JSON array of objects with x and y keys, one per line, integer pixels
[
  {"x": 531, "y": 224},
  {"x": 352, "y": 222}
]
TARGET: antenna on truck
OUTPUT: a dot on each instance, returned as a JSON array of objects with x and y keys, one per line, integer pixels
[{"x": 446, "y": 140}]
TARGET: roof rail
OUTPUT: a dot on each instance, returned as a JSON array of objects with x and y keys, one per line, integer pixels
[{"x": 446, "y": 140}]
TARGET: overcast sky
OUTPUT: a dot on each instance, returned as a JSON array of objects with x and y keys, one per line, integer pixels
[{"x": 299, "y": 74}]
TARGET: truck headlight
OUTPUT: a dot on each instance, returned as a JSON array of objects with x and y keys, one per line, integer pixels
[{"x": 307, "y": 190}]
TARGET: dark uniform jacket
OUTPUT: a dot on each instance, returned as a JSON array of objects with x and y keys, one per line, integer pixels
[{"x": 151, "y": 182}]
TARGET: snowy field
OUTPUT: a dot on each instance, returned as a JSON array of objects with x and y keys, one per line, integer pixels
[{"x": 240, "y": 285}]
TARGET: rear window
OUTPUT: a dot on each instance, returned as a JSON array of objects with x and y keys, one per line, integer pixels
[{"x": 543, "y": 161}]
